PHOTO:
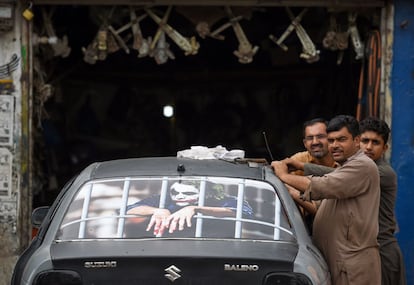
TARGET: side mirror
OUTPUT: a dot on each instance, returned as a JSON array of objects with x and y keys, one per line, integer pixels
[{"x": 38, "y": 215}]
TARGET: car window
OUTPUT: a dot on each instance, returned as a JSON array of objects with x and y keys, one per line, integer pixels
[{"x": 226, "y": 208}]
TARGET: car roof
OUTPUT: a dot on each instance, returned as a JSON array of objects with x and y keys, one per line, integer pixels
[{"x": 172, "y": 166}]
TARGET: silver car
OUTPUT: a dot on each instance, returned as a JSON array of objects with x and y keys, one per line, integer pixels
[{"x": 168, "y": 220}]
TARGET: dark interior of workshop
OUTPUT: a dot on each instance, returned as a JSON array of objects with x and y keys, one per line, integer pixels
[{"x": 234, "y": 82}]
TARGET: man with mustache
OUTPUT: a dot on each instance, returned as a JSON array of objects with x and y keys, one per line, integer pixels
[
  {"x": 374, "y": 142},
  {"x": 346, "y": 224},
  {"x": 316, "y": 145}
]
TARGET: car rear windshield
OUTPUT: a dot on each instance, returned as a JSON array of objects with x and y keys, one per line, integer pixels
[{"x": 176, "y": 207}]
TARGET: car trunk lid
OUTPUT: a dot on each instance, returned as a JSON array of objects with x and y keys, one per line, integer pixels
[{"x": 180, "y": 261}]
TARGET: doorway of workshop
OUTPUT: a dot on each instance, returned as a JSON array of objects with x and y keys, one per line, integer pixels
[{"x": 232, "y": 73}]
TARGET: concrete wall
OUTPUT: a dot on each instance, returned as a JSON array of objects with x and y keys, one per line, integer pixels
[
  {"x": 15, "y": 199},
  {"x": 402, "y": 158}
]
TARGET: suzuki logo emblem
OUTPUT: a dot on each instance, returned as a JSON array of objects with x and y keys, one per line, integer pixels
[{"x": 172, "y": 273}]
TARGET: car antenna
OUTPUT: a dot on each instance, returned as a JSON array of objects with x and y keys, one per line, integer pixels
[{"x": 267, "y": 146}]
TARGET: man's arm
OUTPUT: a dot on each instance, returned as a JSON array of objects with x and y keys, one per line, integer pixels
[
  {"x": 143, "y": 210},
  {"x": 309, "y": 207},
  {"x": 215, "y": 211},
  {"x": 317, "y": 170},
  {"x": 301, "y": 183},
  {"x": 294, "y": 164}
]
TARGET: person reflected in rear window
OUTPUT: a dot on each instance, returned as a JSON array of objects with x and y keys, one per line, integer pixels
[{"x": 182, "y": 203}]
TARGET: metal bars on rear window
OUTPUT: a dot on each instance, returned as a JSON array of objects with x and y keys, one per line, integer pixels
[{"x": 125, "y": 184}]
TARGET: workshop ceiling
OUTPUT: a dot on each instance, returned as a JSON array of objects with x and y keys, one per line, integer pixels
[
  {"x": 257, "y": 3},
  {"x": 82, "y": 27}
]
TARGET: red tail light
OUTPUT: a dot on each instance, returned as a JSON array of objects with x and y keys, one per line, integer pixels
[{"x": 34, "y": 232}]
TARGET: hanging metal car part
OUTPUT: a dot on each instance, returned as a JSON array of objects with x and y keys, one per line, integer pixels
[
  {"x": 118, "y": 38},
  {"x": 279, "y": 41},
  {"x": 216, "y": 33},
  {"x": 245, "y": 51},
  {"x": 8, "y": 68},
  {"x": 336, "y": 39},
  {"x": 355, "y": 38},
  {"x": 309, "y": 51},
  {"x": 188, "y": 46},
  {"x": 162, "y": 52},
  {"x": 140, "y": 43},
  {"x": 203, "y": 29},
  {"x": 203, "y": 18},
  {"x": 159, "y": 30},
  {"x": 36, "y": 40},
  {"x": 116, "y": 33},
  {"x": 103, "y": 43},
  {"x": 60, "y": 46}
]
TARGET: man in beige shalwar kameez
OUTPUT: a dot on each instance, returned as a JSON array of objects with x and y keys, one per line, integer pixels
[{"x": 346, "y": 224}]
